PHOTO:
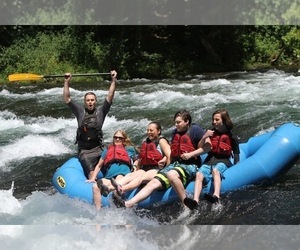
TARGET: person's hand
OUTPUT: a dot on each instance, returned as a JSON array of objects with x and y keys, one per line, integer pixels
[
  {"x": 161, "y": 163},
  {"x": 113, "y": 74},
  {"x": 208, "y": 133},
  {"x": 68, "y": 77},
  {"x": 186, "y": 156}
]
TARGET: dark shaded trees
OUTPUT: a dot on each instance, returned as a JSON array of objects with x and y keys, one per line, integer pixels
[{"x": 154, "y": 51}]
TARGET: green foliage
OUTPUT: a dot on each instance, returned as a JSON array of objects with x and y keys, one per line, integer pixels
[
  {"x": 270, "y": 40},
  {"x": 52, "y": 54},
  {"x": 145, "y": 51},
  {"x": 292, "y": 43}
]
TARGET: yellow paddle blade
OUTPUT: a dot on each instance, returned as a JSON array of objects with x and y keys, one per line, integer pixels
[
  {"x": 34, "y": 77},
  {"x": 24, "y": 77}
]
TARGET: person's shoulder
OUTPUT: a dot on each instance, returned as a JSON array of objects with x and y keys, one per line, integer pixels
[
  {"x": 196, "y": 127},
  {"x": 106, "y": 102},
  {"x": 173, "y": 131},
  {"x": 162, "y": 138},
  {"x": 146, "y": 140},
  {"x": 234, "y": 137},
  {"x": 130, "y": 148},
  {"x": 103, "y": 153},
  {"x": 71, "y": 102},
  {"x": 104, "y": 106},
  {"x": 75, "y": 104}
]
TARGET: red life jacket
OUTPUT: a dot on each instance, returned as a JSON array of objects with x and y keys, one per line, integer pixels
[
  {"x": 116, "y": 154},
  {"x": 182, "y": 144},
  {"x": 149, "y": 154},
  {"x": 221, "y": 145}
]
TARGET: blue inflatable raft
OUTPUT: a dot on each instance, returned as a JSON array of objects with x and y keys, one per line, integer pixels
[{"x": 263, "y": 158}]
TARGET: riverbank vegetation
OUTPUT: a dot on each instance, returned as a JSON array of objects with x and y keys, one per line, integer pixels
[{"x": 146, "y": 50}]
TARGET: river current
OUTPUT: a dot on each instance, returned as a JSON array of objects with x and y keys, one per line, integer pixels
[{"x": 37, "y": 135}]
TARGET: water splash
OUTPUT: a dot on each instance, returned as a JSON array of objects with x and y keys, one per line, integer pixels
[{"x": 8, "y": 203}]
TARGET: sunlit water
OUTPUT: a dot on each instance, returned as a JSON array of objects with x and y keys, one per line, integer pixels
[{"x": 37, "y": 133}]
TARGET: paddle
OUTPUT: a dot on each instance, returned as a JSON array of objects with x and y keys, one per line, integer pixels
[{"x": 34, "y": 77}]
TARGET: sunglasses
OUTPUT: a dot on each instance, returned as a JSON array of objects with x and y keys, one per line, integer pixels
[{"x": 119, "y": 138}]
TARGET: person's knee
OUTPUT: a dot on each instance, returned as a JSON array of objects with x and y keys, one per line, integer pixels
[
  {"x": 199, "y": 176},
  {"x": 171, "y": 175},
  {"x": 153, "y": 184},
  {"x": 215, "y": 172},
  {"x": 139, "y": 178},
  {"x": 86, "y": 169},
  {"x": 88, "y": 163}
]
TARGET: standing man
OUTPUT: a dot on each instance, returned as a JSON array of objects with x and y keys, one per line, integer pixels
[{"x": 90, "y": 120}]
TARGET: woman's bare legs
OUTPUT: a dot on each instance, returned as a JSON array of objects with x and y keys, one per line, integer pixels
[
  {"x": 151, "y": 186},
  {"x": 142, "y": 177},
  {"x": 129, "y": 177}
]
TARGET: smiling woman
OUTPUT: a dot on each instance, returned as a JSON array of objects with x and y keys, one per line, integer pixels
[
  {"x": 154, "y": 154},
  {"x": 115, "y": 162}
]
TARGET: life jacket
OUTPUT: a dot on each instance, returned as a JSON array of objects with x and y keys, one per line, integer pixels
[
  {"x": 116, "y": 154},
  {"x": 89, "y": 135},
  {"x": 149, "y": 153},
  {"x": 182, "y": 143},
  {"x": 221, "y": 145}
]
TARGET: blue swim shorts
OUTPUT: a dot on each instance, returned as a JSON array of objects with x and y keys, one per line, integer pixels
[{"x": 206, "y": 170}]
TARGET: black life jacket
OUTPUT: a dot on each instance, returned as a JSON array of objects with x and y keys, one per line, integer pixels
[
  {"x": 182, "y": 143},
  {"x": 89, "y": 135},
  {"x": 149, "y": 154},
  {"x": 116, "y": 154}
]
